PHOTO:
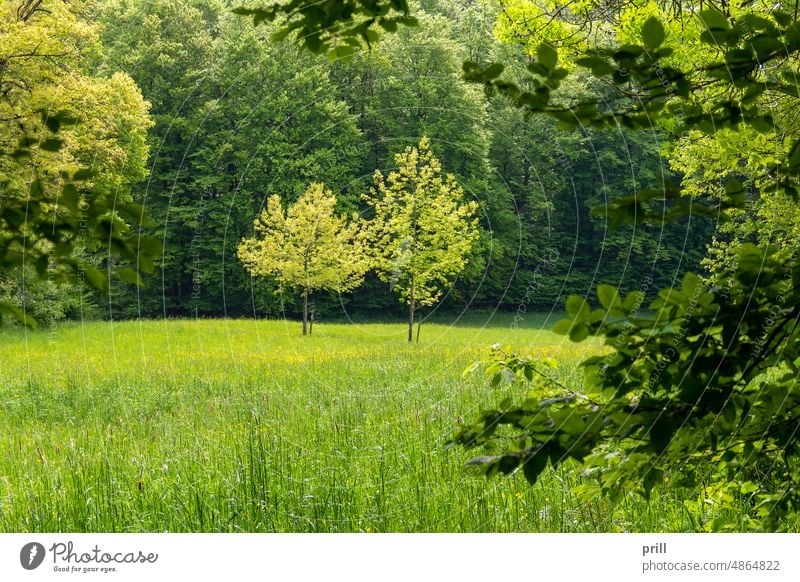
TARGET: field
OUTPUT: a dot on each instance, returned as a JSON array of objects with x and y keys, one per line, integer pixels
[{"x": 226, "y": 425}]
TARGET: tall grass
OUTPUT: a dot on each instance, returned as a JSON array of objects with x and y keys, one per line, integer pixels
[{"x": 224, "y": 425}]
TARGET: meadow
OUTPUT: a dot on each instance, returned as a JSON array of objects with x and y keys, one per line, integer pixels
[{"x": 242, "y": 425}]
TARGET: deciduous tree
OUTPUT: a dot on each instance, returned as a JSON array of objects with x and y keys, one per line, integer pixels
[
  {"x": 307, "y": 247},
  {"x": 71, "y": 144},
  {"x": 423, "y": 230}
]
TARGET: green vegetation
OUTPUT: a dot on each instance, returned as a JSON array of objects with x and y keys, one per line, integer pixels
[
  {"x": 224, "y": 137},
  {"x": 637, "y": 162},
  {"x": 703, "y": 391},
  {"x": 248, "y": 426},
  {"x": 306, "y": 246},
  {"x": 422, "y": 231}
]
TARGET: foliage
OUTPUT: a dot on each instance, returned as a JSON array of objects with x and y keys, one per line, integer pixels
[
  {"x": 72, "y": 144},
  {"x": 338, "y": 25},
  {"x": 709, "y": 382},
  {"x": 706, "y": 385},
  {"x": 306, "y": 246},
  {"x": 223, "y": 131},
  {"x": 422, "y": 231}
]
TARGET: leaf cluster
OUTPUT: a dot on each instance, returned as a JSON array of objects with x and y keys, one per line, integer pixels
[
  {"x": 706, "y": 382},
  {"x": 44, "y": 229},
  {"x": 335, "y": 27},
  {"x": 423, "y": 230},
  {"x": 307, "y": 245}
]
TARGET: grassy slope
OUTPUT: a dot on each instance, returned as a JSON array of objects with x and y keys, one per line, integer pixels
[{"x": 247, "y": 426}]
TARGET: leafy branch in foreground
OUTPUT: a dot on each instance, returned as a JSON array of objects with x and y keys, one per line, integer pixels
[
  {"x": 707, "y": 384},
  {"x": 45, "y": 228},
  {"x": 705, "y": 390},
  {"x": 337, "y": 27}
]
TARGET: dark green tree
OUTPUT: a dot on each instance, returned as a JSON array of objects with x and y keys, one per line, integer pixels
[{"x": 229, "y": 138}]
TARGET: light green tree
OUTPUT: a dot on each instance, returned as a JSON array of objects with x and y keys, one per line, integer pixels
[
  {"x": 307, "y": 247},
  {"x": 423, "y": 230},
  {"x": 72, "y": 143}
]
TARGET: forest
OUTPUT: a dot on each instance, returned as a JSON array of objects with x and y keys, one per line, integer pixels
[{"x": 200, "y": 117}]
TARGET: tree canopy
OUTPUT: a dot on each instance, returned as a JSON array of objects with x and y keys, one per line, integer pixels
[
  {"x": 306, "y": 247},
  {"x": 422, "y": 231},
  {"x": 73, "y": 144}
]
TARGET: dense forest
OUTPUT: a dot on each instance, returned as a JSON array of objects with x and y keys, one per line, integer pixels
[{"x": 213, "y": 117}]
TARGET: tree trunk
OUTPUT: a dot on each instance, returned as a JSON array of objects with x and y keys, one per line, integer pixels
[
  {"x": 305, "y": 312},
  {"x": 411, "y": 307},
  {"x": 411, "y": 321},
  {"x": 419, "y": 326}
]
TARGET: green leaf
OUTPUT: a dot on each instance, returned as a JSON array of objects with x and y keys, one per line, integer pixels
[
  {"x": 528, "y": 372},
  {"x": 794, "y": 158},
  {"x": 534, "y": 466},
  {"x": 493, "y": 71},
  {"x": 633, "y": 301},
  {"x": 547, "y": 56},
  {"x": 36, "y": 189},
  {"x": 508, "y": 463},
  {"x": 717, "y": 29},
  {"x": 576, "y": 306},
  {"x": 70, "y": 198},
  {"x": 714, "y": 19},
  {"x": 387, "y": 25},
  {"x": 128, "y": 275},
  {"x": 95, "y": 277},
  {"x": 341, "y": 52},
  {"x": 150, "y": 246},
  {"x": 52, "y": 123},
  {"x": 83, "y": 174},
  {"x": 734, "y": 186},
  {"x": 579, "y": 333},
  {"x": 259, "y": 15},
  {"x": 562, "y": 326},
  {"x": 18, "y": 314},
  {"x": 608, "y": 296},
  {"x": 653, "y": 32},
  {"x": 598, "y": 65}
]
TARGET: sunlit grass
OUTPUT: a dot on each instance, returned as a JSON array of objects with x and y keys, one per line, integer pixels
[{"x": 218, "y": 425}]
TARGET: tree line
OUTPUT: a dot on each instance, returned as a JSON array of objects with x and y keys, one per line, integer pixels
[{"x": 222, "y": 117}]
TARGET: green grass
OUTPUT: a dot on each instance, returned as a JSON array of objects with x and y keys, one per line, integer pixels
[{"x": 218, "y": 425}]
